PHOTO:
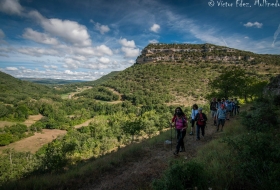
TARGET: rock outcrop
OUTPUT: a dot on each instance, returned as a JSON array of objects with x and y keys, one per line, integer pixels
[{"x": 190, "y": 52}]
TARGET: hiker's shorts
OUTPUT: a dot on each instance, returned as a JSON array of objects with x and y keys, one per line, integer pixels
[
  {"x": 213, "y": 113},
  {"x": 221, "y": 122}
]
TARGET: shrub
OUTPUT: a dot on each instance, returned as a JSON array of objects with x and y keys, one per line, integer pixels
[
  {"x": 256, "y": 161},
  {"x": 262, "y": 118},
  {"x": 181, "y": 175}
]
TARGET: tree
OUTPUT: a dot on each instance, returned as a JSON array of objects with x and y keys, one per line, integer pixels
[
  {"x": 132, "y": 128},
  {"x": 236, "y": 82}
]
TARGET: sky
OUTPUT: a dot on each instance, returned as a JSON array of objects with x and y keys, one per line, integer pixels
[{"x": 86, "y": 39}]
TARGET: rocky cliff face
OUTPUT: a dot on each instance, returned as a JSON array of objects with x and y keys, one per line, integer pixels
[{"x": 190, "y": 52}]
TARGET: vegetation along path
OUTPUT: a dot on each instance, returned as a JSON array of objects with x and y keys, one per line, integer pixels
[{"x": 139, "y": 173}]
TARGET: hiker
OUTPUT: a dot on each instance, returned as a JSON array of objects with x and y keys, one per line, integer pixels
[
  {"x": 236, "y": 110},
  {"x": 213, "y": 109},
  {"x": 221, "y": 116},
  {"x": 228, "y": 108},
  {"x": 233, "y": 106},
  {"x": 200, "y": 119},
  {"x": 181, "y": 125},
  {"x": 219, "y": 103},
  {"x": 193, "y": 114}
]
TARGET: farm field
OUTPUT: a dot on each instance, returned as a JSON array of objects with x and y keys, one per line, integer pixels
[{"x": 36, "y": 141}]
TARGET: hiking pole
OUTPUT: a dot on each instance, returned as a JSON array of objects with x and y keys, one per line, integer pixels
[
  {"x": 194, "y": 129},
  {"x": 171, "y": 135}
]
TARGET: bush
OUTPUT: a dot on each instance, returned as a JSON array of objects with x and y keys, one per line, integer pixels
[
  {"x": 256, "y": 159},
  {"x": 5, "y": 139},
  {"x": 181, "y": 175},
  {"x": 262, "y": 117},
  {"x": 276, "y": 100}
]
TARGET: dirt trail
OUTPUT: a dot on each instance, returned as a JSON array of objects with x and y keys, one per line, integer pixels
[
  {"x": 86, "y": 123},
  {"x": 150, "y": 165}
]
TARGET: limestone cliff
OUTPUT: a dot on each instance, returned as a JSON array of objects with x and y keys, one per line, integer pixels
[{"x": 192, "y": 52}]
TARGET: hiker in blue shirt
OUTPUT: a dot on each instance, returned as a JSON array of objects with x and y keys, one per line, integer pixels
[
  {"x": 228, "y": 108},
  {"x": 221, "y": 115}
]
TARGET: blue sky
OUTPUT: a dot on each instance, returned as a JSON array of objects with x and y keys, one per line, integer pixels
[{"x": 86, "y": 39}]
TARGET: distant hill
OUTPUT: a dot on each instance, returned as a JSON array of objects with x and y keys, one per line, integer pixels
[
  {"x": 50, "y": 81},
  {"x": 105, "y": 77},
  {"x": 13, "y": 89}
]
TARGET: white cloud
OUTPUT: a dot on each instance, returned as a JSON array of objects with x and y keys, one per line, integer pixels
[
  {"x": 255, "y": 24},
  {"x": 130, "y": 52},
  {"x": 39, "y": 37},
  {"x": 155, "y": 28},
  {"x": 50, "y": 66},
  {"x": 11, "y": 68},
  {"x": 101, "y": 50},
  {"x": 97, "y": 66},
  {"x": 104, "y": 60},
  {"x": 153, "y": 41},
  {"x": 38, "y": 52},
  {"x": 11, "y": 7},
  {"x": 69, "y": 30},
  {"x": 124, "y": 42},
  {"x": 131, "y": 61},
  {"x": 101, "y": 28},
  {"x": 129, "y": 48},
  {"x": 71, "y": 64},
  {"x": 80, "y": 58},
  {"x": 2, "y": 34},
  {"x": 277, "y": 32},
  {"x": 82, "y": 53},
  {"x": 53, "y": 66}
]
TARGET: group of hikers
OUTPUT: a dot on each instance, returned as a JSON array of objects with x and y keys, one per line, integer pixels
[{"x": 221, "y": 110}]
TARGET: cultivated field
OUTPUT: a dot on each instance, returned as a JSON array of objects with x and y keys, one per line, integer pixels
[
  {"x": 36, "y": 141},
  {"x": 32, "y": 119}
]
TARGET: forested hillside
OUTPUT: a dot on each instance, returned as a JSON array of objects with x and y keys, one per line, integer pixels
[
  {"x": 13, "y": 89},
  {"x": 152, "y": 84}
]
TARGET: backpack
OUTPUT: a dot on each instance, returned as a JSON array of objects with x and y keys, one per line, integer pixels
[
  {"x": 184, "y": 120},
  {"x": 213, "y": 106},
  {"x": 220, "y": 104}
]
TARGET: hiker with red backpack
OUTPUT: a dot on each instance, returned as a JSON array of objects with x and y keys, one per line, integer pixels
[
  {"x": 200, "y": 119},
  {"x": 180, "y": 123}
]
